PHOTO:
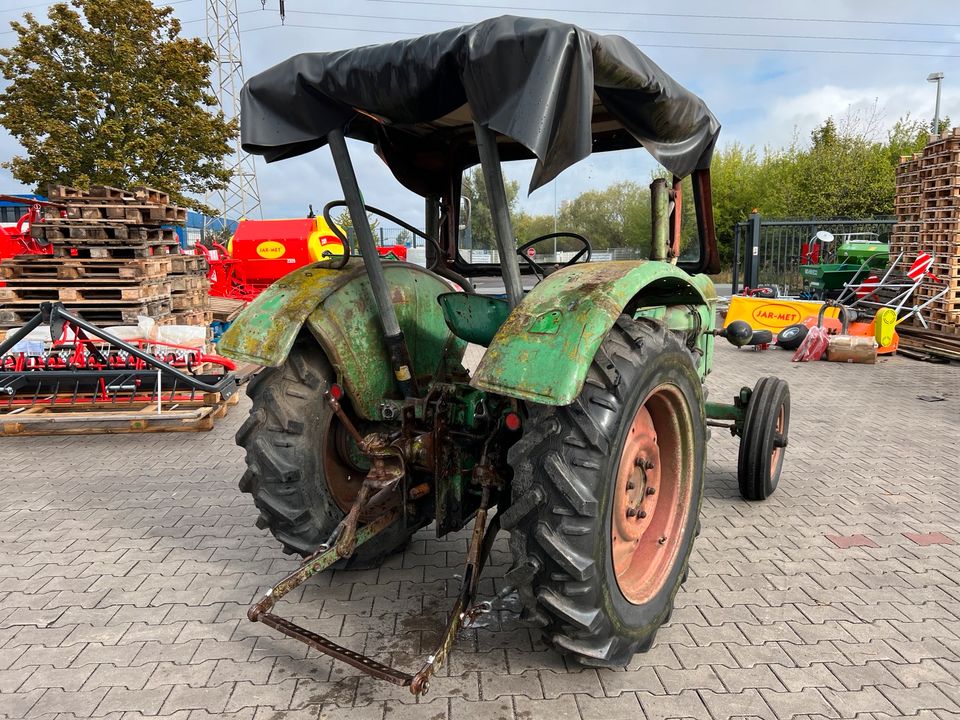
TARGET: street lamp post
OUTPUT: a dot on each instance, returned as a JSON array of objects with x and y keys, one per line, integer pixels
[{"x": 936, "y": 77}]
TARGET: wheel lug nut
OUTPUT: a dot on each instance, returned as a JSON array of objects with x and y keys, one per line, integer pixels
[
  {"x": 648, "y": 465},
  {"x": 638, "y": 461},
  {"x": 630, "y": 485},
  {"x": 642, "y": 514},
  {"x": 651, "y": 490},
  {"x": 631, "y": 512},
  {"x": 662, "y": 540}
]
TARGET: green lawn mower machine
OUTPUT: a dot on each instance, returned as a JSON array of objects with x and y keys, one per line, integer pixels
[{"x": 583, "y": 431}]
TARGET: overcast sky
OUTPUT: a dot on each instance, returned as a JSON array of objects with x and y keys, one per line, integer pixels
[{"x": 768, "y": 70}]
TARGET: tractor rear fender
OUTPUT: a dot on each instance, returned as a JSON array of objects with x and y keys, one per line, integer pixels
[
  {"x": 544, "y": 349},
  {"x": 338, "y": 308}
]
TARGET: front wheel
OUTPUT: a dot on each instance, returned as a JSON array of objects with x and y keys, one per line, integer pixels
[
  {"x": 619, "y": 478},
  {"x": 764, "y": 440}
]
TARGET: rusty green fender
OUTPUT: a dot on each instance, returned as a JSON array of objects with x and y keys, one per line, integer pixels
[
  {"x": 338, "y": 308},
  {"x": 544, "y": 349}
]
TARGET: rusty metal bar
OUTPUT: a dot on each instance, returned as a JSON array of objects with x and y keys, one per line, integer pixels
[
  {"x": 318, "y": 562},
  {"x": 327, "y": 647},
  {"x": 659, "y": 211},
  {"x": 468, "y": 589}
]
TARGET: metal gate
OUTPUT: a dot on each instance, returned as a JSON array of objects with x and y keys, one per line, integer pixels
[{"x": 767, "y": 252}]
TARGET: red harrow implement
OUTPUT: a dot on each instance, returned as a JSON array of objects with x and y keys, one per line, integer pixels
[{"x": 82, "y": 364}]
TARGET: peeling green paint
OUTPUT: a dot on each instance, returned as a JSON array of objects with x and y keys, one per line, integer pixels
[
  {"x": 547, "y": 324},
  {"x": 551, "y": 368},
  {"x": 338, "y": 308}
]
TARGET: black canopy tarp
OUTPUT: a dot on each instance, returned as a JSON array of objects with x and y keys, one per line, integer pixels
[{"x": 553, "y": 89}]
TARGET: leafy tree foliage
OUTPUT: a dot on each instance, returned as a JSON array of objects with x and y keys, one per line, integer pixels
[
  {"x": 480, "y": 219},
  {"x": 345, "y": 222},
  {"x": 847, "y": 169},
  {"x": 107, "y": 92}
]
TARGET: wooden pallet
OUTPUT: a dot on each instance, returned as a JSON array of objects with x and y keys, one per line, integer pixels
[
  {"x": 190, "y": 302},
  {"x": 189, "y": 264},
  {"x": 188, "y": 283},
  {"x": 97, "y": 312},
  {"x": 21, "y": 291},
  {"x": 928, "y": 344},
  {"x": 196, "y": 317},
  {"x": 143, "y": 193},
  {"x": 82, "y": 232},
  {"x": 36, "y": 267},
  {"x": 115, "y": 250},
  {"x": 225, "y": 309},
  {"x": 140, "y": 420},
  {"x": 136, "y": 214},
  {"x": 70, "y": 402}
]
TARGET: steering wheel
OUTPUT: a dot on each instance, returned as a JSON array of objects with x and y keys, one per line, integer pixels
[
  {"x": 382, "y": 213},
  {"x": 435, "y": 266},
  {"x": 538, "y": 269}
]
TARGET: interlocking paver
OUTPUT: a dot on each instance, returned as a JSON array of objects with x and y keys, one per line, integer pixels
[
  {"x": 584, "y": 681},
  {"x": 624, "y": 707},
  {"x": 64, "y": 678},
  {"x": 749, "y": 703},
  {"x": 81, "y": 703},
  {"x": 925, "y": 696},
  {"x": 684, "y": 704},
  {"x": 702, "y": 676},
  {"x": 563, "y": 708},
  {"x": 615, "y": 682},
  {"x": 808, "y": 701},
  {"x": 124, "y": 596},
  {"x": 17, "y": 704},
  {"x": 118, "y": 699},
  {"x": 184, "y": 697}
]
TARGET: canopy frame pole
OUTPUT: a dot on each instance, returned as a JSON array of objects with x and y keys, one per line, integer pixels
[
  {"x": 497, "y": 195},
  {"x": 396, "y": 344}
]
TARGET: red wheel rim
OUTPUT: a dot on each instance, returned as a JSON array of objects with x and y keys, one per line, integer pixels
[{"x": 651, "y": 504}]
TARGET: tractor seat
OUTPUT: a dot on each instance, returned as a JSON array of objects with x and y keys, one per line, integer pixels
[{"x": 474, "y": 318}]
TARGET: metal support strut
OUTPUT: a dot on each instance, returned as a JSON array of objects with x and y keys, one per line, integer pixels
[
  {"x": 493, "y": 179},
  {"x": 344, "y": 541},
  {"x": 396, "y": 344}
]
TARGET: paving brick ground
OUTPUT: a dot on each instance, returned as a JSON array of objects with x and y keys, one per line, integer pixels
[{"x": 127, "y": 563}]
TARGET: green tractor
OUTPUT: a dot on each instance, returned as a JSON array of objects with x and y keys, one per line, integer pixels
[{"x": 584, "y": 427}]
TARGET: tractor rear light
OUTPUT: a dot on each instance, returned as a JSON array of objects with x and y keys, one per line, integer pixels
[
  {"x": 512, "y": 421},
  {"x": 336, "y": 391}
]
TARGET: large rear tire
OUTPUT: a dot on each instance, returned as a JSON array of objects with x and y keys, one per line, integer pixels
[
  {"x": 301, "y": 478},
  {"x": 614, "y": 482}
]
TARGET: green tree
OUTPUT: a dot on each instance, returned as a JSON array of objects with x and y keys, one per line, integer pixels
[
  {"x": 527, "y": 227},
  {"x": 481, "y": 221},
  {"x": 107, "y": 92},
  {"x": 615, "y": 217},
  {"x": 346, "y": 224}
]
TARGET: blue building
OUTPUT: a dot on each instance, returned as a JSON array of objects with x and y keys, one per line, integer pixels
[
  {"x": 192, "y": 231},
  {"x": 11, "y": 211}
]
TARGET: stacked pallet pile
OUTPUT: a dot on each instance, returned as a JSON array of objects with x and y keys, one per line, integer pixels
[
  {"x": 115, "y": 257},
  {"x": 928, "y": 221}
]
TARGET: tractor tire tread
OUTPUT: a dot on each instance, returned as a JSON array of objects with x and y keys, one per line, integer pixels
[
  {"x": 297, "y": 508},
  {"x": 560, "y": 456}
]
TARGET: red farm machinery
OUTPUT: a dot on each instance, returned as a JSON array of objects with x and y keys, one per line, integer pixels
[{"x": 263, "y": 251}]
